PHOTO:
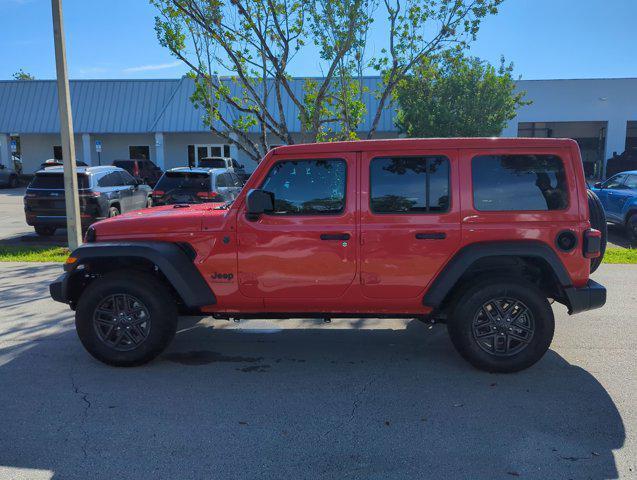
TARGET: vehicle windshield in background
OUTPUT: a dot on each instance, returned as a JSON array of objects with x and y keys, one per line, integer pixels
[
  {"x": 55, "y": 181},
  {"x": 212, "y": 163},
  {"x": 184, "y": 181}
]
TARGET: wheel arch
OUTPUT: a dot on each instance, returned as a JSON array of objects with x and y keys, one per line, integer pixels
[
  {"x": 532, "y": 260},
  {"x": 171, "y": 262}
]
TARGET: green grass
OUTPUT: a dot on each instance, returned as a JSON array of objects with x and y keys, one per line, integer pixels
[
  {"x": 33, "y": 254},
  {"x": 620, "y": 255},
  {"x": 59, "y": 254}
]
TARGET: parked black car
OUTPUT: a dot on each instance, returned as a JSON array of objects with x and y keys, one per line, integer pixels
[
  {"x": 104, "y": 192},
  {"x": 196, "y": 185},
  {"x": 141, "y": 168}
]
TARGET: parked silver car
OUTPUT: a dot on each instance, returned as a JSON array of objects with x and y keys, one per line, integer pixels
[
  {"x": 8, "y": 176},
  {"x": 196, "y": 185}
]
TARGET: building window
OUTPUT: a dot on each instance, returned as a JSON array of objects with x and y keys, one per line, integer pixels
[
  {"x": 57, "y": 152},
  {"x": 139, "y": 152},
  {"x": 409, "y": 185}
]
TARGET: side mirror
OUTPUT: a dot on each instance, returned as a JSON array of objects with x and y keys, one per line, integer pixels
[
  {"x": 258, "y": 202},
  {"x": 597, "y": 185}
]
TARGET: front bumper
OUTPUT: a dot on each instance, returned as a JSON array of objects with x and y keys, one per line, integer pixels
[
  {"x": 592, "y": 296},
  {"x": 59, "y": 289}
]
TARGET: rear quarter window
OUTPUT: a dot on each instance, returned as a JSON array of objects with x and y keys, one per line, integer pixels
[{"x": 519, "y": 183}]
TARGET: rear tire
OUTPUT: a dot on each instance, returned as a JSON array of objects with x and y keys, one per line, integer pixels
[
  {"x": 502, "y": 325},
  {"x": 597, "y": 217},
  {"x": 44, "y": 231},
  {"x": 126, "y": 318}
]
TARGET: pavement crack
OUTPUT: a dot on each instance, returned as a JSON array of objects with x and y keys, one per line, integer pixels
[
  {"x": 355, "y": 405},
  {"x": 87, "y": 405}
]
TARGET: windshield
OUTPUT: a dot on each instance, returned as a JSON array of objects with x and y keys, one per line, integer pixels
[
  {"x": 212, "y": 163},
  {"x": 184, "y": 181},
  {"x": 55, "y": 181}
]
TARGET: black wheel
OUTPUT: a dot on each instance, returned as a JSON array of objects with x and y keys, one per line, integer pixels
[
  {"x": 113, "y": 212},
  {"x": 598, "y": 222},
  {"x": 631, "y": 228},
  {"x": 502, "y": 325},
  {"x": 44, "y": 231},
  {"x": 126, "y": 318},
  {"x": 13, "y": 181}
]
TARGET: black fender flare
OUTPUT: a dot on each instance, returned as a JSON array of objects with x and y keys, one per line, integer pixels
[
  {"x": 467, "y": 256},
  {"x": 170, "y": 258}
]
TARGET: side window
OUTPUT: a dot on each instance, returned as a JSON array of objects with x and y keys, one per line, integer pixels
[
  {"x": 222, "y": 180},
  {"x": 631, "y": 183},
  {"x": 519, "y": 182},
  {"x": 108, "y": 180},
  {"x": 307, "y": 187},
  {"x": 615, "y": 182},
  {"x": 127, "y": 178},
  {"x": 409, "y": 184}
]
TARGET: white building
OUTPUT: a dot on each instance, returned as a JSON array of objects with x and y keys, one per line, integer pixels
[{"x": 155, "y": 119}]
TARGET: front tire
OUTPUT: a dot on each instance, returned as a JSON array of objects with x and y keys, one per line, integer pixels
[
  {"x": 631, "y": 228},
  {"x": 502, "y": 325},
  {"x": 126, "y": 319},
  {"x": 113, "y": 212}
]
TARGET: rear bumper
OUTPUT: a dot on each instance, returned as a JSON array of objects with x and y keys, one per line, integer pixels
[
  {"x": 592, "y": 296},
  {"x": 58, "y": 220},
  {"x": 58, "y": 289}
]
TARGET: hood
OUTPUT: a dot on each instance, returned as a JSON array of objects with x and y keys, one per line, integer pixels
[{"x": 160, "y": 220}]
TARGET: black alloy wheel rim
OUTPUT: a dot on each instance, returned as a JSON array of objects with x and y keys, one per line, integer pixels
[
  {"x": 503, "y": 327},
  {"x": 122, "y": 322}
]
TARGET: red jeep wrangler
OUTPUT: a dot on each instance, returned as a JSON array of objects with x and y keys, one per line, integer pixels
[{"x": 478, "y": 233}]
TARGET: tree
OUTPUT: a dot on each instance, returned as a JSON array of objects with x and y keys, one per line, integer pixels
[
  {"x": 457, "y": 96},
  {"x": 257, "y": 42},
  {"x": 22, "y": 75}
]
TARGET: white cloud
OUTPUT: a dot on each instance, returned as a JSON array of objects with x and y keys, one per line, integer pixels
[{"x": 148, "y": 68}]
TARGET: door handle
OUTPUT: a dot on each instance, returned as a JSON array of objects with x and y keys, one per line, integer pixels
[
  {"x": 431, "y": 236},
  {"x": 334, "y": 236}
]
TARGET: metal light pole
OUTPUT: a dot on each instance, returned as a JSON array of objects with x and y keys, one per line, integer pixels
[{"x": 73, "y": 224}]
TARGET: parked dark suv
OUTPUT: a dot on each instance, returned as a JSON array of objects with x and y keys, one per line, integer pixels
[
  {"x": 141, "y": 168},
  {"x": 104, "y": 192}
]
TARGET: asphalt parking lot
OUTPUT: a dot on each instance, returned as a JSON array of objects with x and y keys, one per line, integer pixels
[{"x": 361, "y": 399}]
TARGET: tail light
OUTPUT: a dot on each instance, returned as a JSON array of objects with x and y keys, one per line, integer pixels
[
  {"x": 157, "y": 193},
  {"x": 91, "y": 194},
  {"x": 207, "y": 195},
  {"x": 592, "y": 243}
]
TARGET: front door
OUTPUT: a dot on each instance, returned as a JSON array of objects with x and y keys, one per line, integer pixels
[
  {"x": 306, "y": 248},
  {"x": 410, "y": 220}
]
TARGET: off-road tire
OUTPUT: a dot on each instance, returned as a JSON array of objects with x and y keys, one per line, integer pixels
[
  {"x": 113, "y": 212},
  {"x": 44, "y": 231},
  {"x": 598, "y": 222},
  {"x": 469, "y": 305},
  {"x": 151, "y": 293}
]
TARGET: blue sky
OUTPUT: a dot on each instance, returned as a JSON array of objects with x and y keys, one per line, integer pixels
[{"x": 116, "y": 39}]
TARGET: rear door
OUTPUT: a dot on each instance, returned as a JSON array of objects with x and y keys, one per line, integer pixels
[
  {"x": 306, "y": 248},
  {"x": 410, "y": 220}
]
